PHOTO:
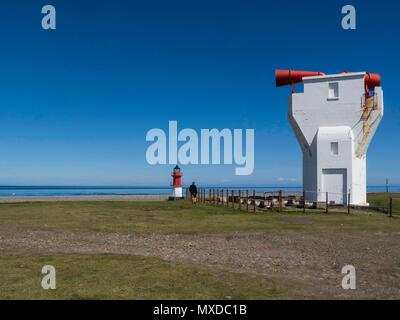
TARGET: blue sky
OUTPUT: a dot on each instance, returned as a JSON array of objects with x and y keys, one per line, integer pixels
[{"x": 77, "y": 102}]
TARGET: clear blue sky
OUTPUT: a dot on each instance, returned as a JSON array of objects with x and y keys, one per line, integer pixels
[{"x": 76, "y": 102}]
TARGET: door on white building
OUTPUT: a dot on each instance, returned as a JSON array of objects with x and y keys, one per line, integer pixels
[{"x": 334, "y": 181}]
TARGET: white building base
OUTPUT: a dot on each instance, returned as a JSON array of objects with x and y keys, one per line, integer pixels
[{"x": 176, "y": 193}]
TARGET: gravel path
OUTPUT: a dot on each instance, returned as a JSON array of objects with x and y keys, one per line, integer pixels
[{"x": 313, "y": 261}]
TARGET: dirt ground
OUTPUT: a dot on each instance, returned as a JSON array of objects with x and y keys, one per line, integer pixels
[{"x": 314, "y": 262}]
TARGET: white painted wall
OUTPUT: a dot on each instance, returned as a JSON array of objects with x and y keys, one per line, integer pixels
[
  {"x": 177, "y": 192},
  {"x": 318, "y": 118}
]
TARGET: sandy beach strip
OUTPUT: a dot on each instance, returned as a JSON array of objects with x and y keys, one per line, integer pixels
[{"x": 19, "y": 199}]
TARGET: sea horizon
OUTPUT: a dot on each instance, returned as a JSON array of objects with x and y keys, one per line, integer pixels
[{"x": 69, "y": 190}]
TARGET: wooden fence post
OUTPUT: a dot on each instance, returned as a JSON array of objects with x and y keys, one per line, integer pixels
[
  {"x": 348, "y": 203},
  {"x": 304, "y": 202},
  {"x": 280, "y": 200},
  {"x": 254, "y": 199},
  {"x": 326, "y": 202},
  {"x": 247, "y": 200},
  {"x": 272, "y": 199},
  {"x": 390, "y": 206},
  {"x": 240, "y": 200}
]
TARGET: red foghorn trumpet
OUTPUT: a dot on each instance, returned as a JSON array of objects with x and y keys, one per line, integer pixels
[{"x": 291, "y": 77}]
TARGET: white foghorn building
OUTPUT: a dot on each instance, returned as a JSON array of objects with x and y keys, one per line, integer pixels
[{"x": 334, "y": 120}]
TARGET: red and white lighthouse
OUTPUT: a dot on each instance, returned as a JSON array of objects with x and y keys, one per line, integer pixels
[{"x": 177, "y": 183}]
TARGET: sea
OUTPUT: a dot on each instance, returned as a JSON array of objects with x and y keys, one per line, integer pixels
[{"x": 9, "y": 191}]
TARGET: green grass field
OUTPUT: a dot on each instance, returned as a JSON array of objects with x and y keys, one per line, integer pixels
[
  {"x": 182, "y": 217},
  {"x": 116, "y": 276},
  {"x": 105, "y": 276},
  {"x": 382, "y": 199}
]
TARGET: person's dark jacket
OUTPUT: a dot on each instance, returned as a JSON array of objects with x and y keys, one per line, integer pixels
[{"x": 193, "y": 189}]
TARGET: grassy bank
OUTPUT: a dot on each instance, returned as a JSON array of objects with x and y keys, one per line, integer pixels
[{"x": 182, "y": 217}]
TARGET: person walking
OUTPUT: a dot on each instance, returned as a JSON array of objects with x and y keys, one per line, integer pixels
[{"x": 193, "y": 192}]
